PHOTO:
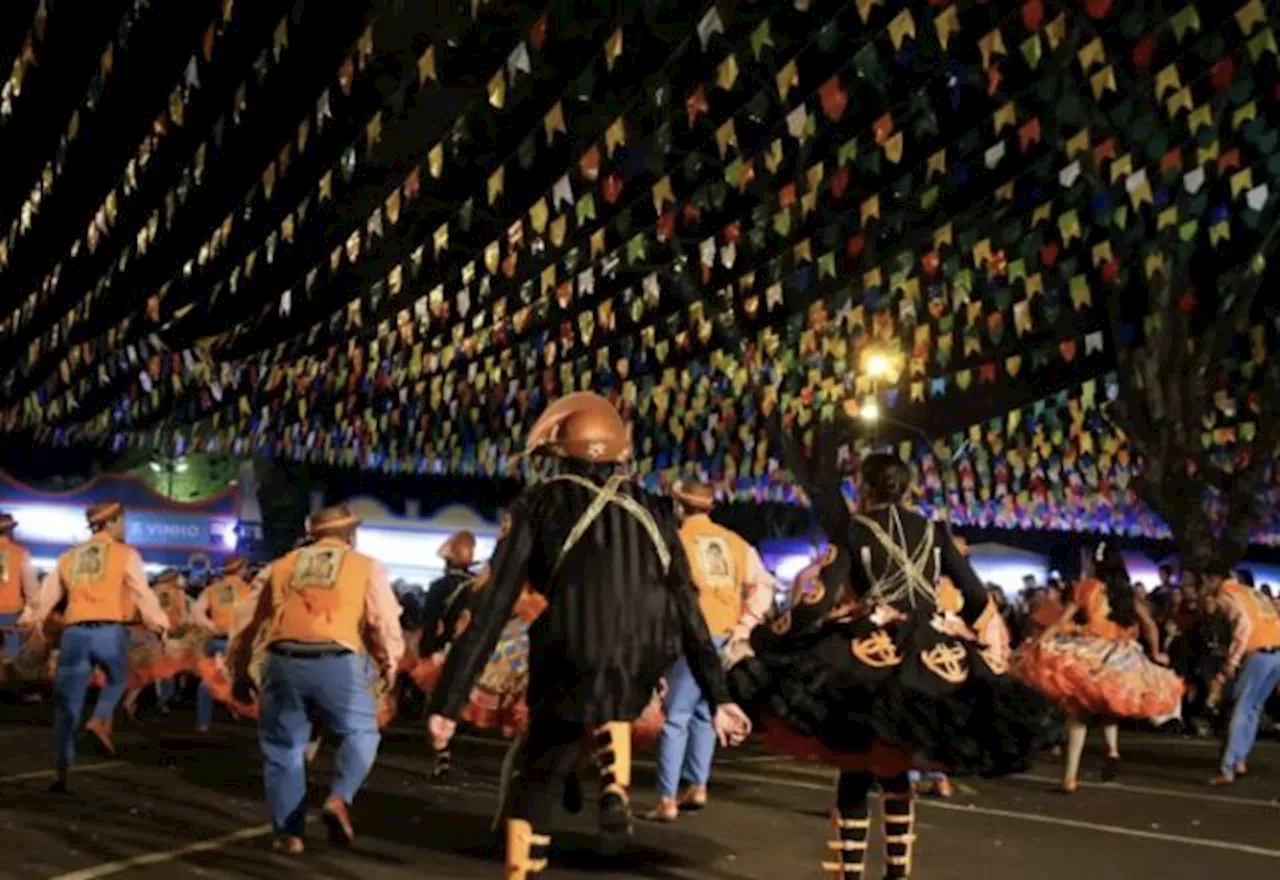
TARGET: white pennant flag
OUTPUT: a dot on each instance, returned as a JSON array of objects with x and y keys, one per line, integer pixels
[{"x": 710, "y": 25}]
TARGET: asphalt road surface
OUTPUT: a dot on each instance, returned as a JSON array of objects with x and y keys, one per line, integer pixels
[{"x": 176, "y": 804}]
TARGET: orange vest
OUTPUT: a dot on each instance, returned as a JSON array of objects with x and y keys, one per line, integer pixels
[
  {"x": 1264, "y": 620},
  {"x": 92, "y": 575},
  {"x": 223, "y": 598},
  {"x": 1091, "y": 596},
  {"x": 12, "y": 558},
  {"x": 718, "y": 562},
  {"x": 318, "y": 593},
  {"x": 174, "y": 602}
]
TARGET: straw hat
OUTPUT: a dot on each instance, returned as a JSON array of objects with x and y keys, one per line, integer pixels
[{"x": 694, "y": 496}]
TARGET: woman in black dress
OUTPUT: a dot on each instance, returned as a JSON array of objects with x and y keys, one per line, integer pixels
[{"x": 864, "y": 670}]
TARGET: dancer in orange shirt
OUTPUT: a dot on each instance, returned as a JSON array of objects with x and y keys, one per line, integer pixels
[
  {"x": 103, "y": 583},
  {"x": 329, "y": 623}
]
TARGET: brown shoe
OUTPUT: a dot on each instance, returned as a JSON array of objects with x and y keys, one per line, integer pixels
[
  {"x": 289, "y": 846},
  {"x": 101, "y": 731},
  {"x": 693, "y": 798},
  {"x": 1222, "y": 779},
  {"x": 667, "y": 810},
  {"x": 337, "y": 822}
]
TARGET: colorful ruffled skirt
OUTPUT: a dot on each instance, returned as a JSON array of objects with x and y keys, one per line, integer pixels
[
  {"x": 33, "y": 665},
  {"x": 1111, "y": 678},
  {"x": 497, "y": 701}
]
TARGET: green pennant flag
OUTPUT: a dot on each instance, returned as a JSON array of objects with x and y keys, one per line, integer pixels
[
  {"x": 1185, "y": 21},
  {"x": 1032, "y": 50},
  {"x": 761, "y": 38}
]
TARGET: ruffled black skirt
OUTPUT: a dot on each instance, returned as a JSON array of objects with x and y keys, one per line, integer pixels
[{"x": 915, "y": 693}]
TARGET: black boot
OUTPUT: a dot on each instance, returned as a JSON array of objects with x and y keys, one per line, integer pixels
[
  {"x": 613, "y": 752},
  {"x": 898, "y": 803},
  {"x": 851, "y": 824}
]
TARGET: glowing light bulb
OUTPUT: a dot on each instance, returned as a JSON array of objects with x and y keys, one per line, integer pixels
[
  {"x": 877, "y": 366},
  {"x": 870, "y": 411}
]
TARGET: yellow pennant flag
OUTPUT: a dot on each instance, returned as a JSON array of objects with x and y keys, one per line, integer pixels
[
  {"x": 553, "y": 122},
  {"x": 902, "y": 26},
  {"x": 947, "y": 24},
  {"x": 427, "y": 65}
]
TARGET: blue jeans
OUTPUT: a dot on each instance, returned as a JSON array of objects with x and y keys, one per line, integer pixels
[
  {"x": 83, "y": 648},
  {"x": 340, "y": 690},
  {"x": 12, "y": 640},
  {"x": 688, "y": 740},
  {"x": 204, "y": 699},
  {"x": 1255, "y": 684}
]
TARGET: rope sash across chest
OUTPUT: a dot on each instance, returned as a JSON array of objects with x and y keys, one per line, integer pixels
[
  {"x": 904, "y": 578},
  {"x": 604, "y": 496}
]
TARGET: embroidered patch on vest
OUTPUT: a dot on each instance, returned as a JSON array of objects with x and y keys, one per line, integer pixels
[
  {"x": 715, "y": 561},
  {"x": 317, "y": 568},
  {"x": 88, "y": 564}
]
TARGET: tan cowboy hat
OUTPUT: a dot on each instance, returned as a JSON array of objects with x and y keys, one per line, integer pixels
[
  {"x": 583, "y": 426},
  {"x": 331, "y": 521},
  {"x": 235, "y": 565},
  {"x": 460, "y": 549},
  {"x": 693, "y": 495},
  {"x": 104, "y": 512}
]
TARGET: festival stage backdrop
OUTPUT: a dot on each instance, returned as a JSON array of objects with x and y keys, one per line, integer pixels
[{"x": 166, "y": 532}]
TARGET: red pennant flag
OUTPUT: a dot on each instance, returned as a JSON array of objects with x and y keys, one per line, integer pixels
[
  {"x": 834, "y": 98},
  {"x": 1032, "y": 15},
  {"x": 1144, "y": 52},
  {"x": 839, "y": 183},
  {"x": 1222, "y": 73}
]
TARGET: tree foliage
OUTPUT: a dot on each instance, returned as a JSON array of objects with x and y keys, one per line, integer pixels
[{"x": 1169, "y": 385}]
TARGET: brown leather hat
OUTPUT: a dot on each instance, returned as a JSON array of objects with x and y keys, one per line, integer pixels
[
  {"x": 235, "y": 565},
  {"x": 582, "y": 426},
  {"x": 460, "y": 549},
  {"x": 7, "y": 523},
  {"x": 331, "y": 521},
  {"x": 694, "y": 496}
]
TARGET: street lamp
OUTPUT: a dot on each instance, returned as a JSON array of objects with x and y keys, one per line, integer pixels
[
  {"x": 870, "y": 411},
  {"x": 877, "y": 365}
]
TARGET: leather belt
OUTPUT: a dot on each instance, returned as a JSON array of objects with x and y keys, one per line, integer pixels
[{"x": 308, "y": 654}]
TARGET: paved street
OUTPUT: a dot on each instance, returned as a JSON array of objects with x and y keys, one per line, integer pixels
[{"x": 181, "y": 805}]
